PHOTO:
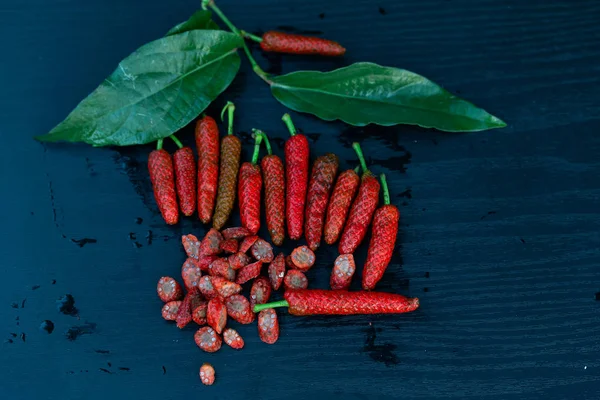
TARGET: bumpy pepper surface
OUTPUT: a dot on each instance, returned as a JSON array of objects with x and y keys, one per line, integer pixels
[
  {"x": 383, "y": 240},
  {"x": 274, "y": 178},
  {"x": 207, "y": 145},
  {"x": 362, "y": 209},
  {"x": 339, "y": 205},
  {"x": 185, "y": 178},
  {"x": 250, "y": 190},
  {"x": 296, "y": 178},
  {"x": 231, "y": 150},
  {"x": 162, "y": 175},
  {"x": 321, "y": 181},
  {"x": 280, "y": 42},
  {"x": 341, "y": 302}
]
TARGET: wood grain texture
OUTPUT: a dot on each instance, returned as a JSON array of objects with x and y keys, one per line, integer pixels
[{"x": 499, "y": 230}]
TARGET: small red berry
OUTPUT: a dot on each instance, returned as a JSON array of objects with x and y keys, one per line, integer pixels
[
  {"x": 260, "y": 291},
  {"x": 210, "y": 245},
  {"x": 220, "y": 267},
  {"x": 191, "y": 245},
  {"x": 303, "y": 258},
  {"x": 191, "y": 273},
  {"x": 277, "y": 271},
  {"x": 342, "y": 272},
  {"x": 238, "y": 308},
  {"x": 268, "y": 326},
  {"x": 170, "y": 310},
  {"x": 216, "y": 314},
  {"x": 249, "y": 272},
  {"x": 207, "y": 339},
  {"x": 199, "y": 313},
  {"x": 223, "y": 287},
  {"x": 207, "y": 374},
  {"x": 233, "y": 338},
  {"x": 238, "y": 260},
  {"x": 169, "y": 289},
  {"x": 262, "y": 251},
  {"x": 236, "y": 233},
  {"x": 295, "y": 279},
  {"x": 184, "y": 316},
  {"x": 247, "y": 243},
  {"x": 229, "y": 246}
]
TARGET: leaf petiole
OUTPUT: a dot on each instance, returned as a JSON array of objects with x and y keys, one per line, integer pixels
[
  {"x": 250, "y": 36},
  {"x": 177, "y": 142},
  {"x": 255, "y": 67}
]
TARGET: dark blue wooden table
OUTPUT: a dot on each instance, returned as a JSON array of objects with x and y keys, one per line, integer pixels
[{"x": 499, "y": 233}]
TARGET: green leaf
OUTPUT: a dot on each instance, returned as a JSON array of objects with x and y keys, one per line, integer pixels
[
  {"x": 155, "y": 91},
  {"x": 201, "y": 19},
  {"x": 365, "y": 93}
]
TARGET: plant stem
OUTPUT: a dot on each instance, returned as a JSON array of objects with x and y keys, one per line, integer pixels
[
  {"x": 230, "y": 108},
  {"x": 386, "y": 192},
  {"x": 250, "y": 36},
  {"x": 177, "y": 142},
  {"x": 159, "y": 144},
  {"x": 255, "y": 67},
  {"x": 257, "y": 141},
  {"x": 274, "y": 304},
  {"x": 357, "y": 169},
  {"x": 287, "y": 120},
  {"x": 361, "y": 157},
  {"x": 265, "y": 139}
]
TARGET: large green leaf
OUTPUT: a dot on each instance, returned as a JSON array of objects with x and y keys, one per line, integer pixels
[
  {"x": 155, "y": 91},
  {"x": 365, "y": 93},
  {"x": 201, "y": 19}
]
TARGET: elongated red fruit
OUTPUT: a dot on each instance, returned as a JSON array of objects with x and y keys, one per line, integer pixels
[
  {"x": 280, "y": 42},
  {"x": 185, "y": 177},
  {"x": 162, "y": 176},
  {"x": 250, "y": 190},
  {"x": 296, "y": 179},
  {"x": 341, "y": 302},
  {"x": 184, "y": 316},
  {"x": 362, "y": 209},
  {"x": 235, "y": 233},
  {"x": 342, "y": 272},
  {"x": 274, "y": 178},
  {"x": 339, "y": 204},
  {"x": 231, "y": 150},
  {"x": 321, "y": 181},
  {"x": 383, "y": 240},
  {"x": 207, "y": 145}
]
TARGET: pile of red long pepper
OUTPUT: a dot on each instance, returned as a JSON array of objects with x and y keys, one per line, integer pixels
[{"x": 316, "y": 205}]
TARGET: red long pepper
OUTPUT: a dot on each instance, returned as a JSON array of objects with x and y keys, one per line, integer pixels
[
  {"x": 362, "y": 209},
  {"x": 207, "y": 145},
  {"x": 162, "y": 175},
  {"x": 296, "y": 169},
  {"x": 185, "y": 177},
  {"x": 383, "y": 240},
  {"x": 341, "y": 302},
  {"x": 274, "y": 178},
  {"x": 250, "y": 189}
]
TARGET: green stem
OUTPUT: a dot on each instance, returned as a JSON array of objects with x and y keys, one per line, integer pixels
[
  {"x": 287, "y": 120},
  {"x": 361, "y": 157},
  {"x": 274, "y": 304},
  {"x": 386, "y": 192},
  {"x": 257, "y": 141},
  {"x": 357, "y": 169},
  {"x": 177, "y": 142},
  {"x": 250, "y": 36},
  {"x": 230, "y": 108},
  {"x": 265, "y": 139},
  {"x": 159, "y": 144},
  {"x": 255, "y": 67}
]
